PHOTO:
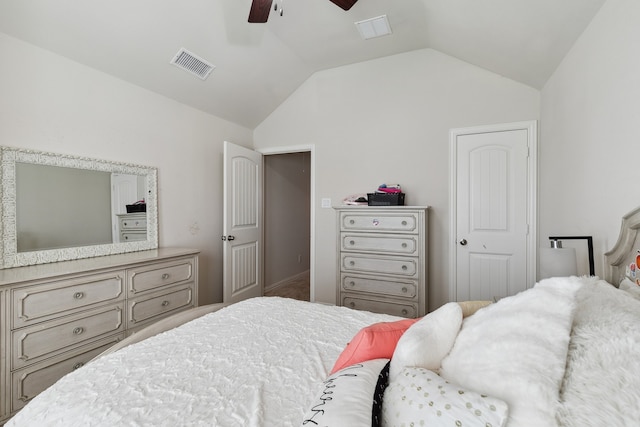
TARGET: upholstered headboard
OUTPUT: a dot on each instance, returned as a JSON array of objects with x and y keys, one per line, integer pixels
[{"x": 622, "y": 261}]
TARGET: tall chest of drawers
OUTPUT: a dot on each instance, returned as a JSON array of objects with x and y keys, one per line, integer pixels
[
  {"x": 57, "y": 317},
  {"x": 132, "y": 226},
  {"x": 382, "y": 259}
]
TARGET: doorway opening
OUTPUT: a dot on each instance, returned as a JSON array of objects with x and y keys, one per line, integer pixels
[{"x": 287, "y": 213}]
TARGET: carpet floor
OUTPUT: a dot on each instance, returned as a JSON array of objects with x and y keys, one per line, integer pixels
[{"x": 297, "y": 288}]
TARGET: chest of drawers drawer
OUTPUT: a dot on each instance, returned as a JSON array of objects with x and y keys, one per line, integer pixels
[
  {"x": 160, "y": 304},
  {"x": 390, "y": 243},
  {"x": 400, "y": 266},
  {"x": 379, "y": 285},
  {"x": 153, "y": 276},
  {"x": 38, "y": 342},
  {"x": 133, "y": 236},
  {"x": 396, "y": 308},
  {"x": 379, "y": 221},
  {"x": 133, "y": 222},
  {"x": 39, "y": 303}
]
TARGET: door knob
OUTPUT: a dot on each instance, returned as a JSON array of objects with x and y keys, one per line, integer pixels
[
  {"x": 229, "y": 238},
  {"x": 463, "y": 242}
]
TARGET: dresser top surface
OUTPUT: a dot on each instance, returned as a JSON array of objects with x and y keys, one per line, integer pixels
[
  {"x": 15, "y": 275},
  {"x": 366, "y": 207}
]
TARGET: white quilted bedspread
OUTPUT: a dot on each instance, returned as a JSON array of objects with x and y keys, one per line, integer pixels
[{"x": 256, "y": 363}]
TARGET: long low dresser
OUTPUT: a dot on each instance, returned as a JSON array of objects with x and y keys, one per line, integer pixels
[{"x": 56, "y": 317}]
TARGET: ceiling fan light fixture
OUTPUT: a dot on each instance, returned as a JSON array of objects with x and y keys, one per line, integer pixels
[{"x": 374, "y": 27}]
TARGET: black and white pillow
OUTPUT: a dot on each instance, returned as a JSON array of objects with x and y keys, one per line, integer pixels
[{"x": 351, "y": 397}]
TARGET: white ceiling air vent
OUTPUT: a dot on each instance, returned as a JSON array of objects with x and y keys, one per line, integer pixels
[
  {"x": 374, "y": 27},
  {"x": 192, "y": 63}
]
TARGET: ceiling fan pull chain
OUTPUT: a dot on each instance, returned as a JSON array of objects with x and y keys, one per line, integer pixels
[
  {"x": 275, "y": 6},
  {"x": 281, "y": 7}
]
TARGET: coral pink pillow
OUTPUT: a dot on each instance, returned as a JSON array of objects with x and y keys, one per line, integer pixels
[{"x": 377, "y": 341}]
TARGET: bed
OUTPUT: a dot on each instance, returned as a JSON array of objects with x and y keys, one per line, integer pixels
[{"x": 565, "y": 352}]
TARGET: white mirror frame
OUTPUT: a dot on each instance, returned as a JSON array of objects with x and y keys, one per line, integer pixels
[{"x": 10, "y": 257}]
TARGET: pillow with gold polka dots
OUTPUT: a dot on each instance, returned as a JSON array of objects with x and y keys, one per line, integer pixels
[{"x": 420, "y": 397}]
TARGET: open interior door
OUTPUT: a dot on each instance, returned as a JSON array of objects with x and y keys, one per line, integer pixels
[{"x": 242, "y": 223}]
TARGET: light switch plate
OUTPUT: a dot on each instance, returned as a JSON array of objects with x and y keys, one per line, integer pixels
[{"x": 326, "y": 203}]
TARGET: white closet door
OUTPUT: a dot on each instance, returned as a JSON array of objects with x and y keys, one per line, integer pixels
[{"x": 492, "y": 204}]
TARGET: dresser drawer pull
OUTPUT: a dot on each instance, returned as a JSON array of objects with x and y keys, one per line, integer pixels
[
  {"x": 78, "y": 330},
  {"x": 352, "y": 263},
  {"x": 405, "y": 312},
  {"x": 78, "y": 365},
  {"x": 125, "y": 223},
  {"x": 24, "y": 398},
  {"x": 352, "y": 222},
  {"x": 352, "y": 283},
  {"x": 352, "y": 304},
  {"x": 404, "y": 289},
  {"x": 165, "y": 303},
  {"x": 404, "y": 245},
  {"x": 165, "y": 276},
  {"x": 404, "y": 222},
  {"x": 78, "y": 295},
  {"x": 351, "y": 242},
  {"x": 404, "y": 268}
]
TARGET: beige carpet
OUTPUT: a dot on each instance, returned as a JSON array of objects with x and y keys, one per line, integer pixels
[{"x": 297, "y": 288}]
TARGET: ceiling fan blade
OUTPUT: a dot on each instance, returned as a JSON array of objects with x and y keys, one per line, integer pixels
[
  {"x": 259, "y": 12},
  {"x": 345, "y": 4}
]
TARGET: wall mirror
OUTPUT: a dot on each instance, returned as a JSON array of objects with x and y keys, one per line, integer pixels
[{"x": 57, "y": 207}]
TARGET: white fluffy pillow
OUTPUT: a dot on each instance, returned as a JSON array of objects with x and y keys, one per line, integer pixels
[
  {"x": 516, "y": 350},
  {"x": 419, "y": 397},
  {"x": 427, "y": 341}
]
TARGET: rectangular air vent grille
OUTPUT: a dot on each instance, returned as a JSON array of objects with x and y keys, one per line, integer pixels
[
  {"x": 192, "y": 63},
  {"x": 374, "y": 27}
]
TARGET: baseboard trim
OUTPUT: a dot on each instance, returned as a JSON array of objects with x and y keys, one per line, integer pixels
[{"x": 283, "y": 282}]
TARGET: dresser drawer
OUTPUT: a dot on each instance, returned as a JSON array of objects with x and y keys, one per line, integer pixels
[
  {"x": 403, "y": 289},
  {"x": 393, "y": 244},
  {"x": 158, "y": 305},
  {"x": 151, "y": 277},
  {"x": 42, "y": 302},
  {"x": 37, "y": 342},
  {"x": 378, "y": 306},
  {"x": 379, "y": 221},
  {"x": 397, "y": 266},
  {"x": 27, "y": 383}
]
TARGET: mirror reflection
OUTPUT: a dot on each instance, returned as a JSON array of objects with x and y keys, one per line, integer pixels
[{"x": 60, "y": 207}]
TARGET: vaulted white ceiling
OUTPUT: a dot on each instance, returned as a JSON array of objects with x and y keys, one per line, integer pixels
[{"x": 259, "y": 65}]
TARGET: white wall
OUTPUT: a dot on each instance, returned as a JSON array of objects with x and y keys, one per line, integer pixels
[
  {"x": 50, "y": 103},
  {"x": 388, "y": 121},
  {"x": 590, "y": 138}
]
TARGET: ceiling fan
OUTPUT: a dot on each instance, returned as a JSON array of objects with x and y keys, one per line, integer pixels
[{"x": 260, "y": 9}]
